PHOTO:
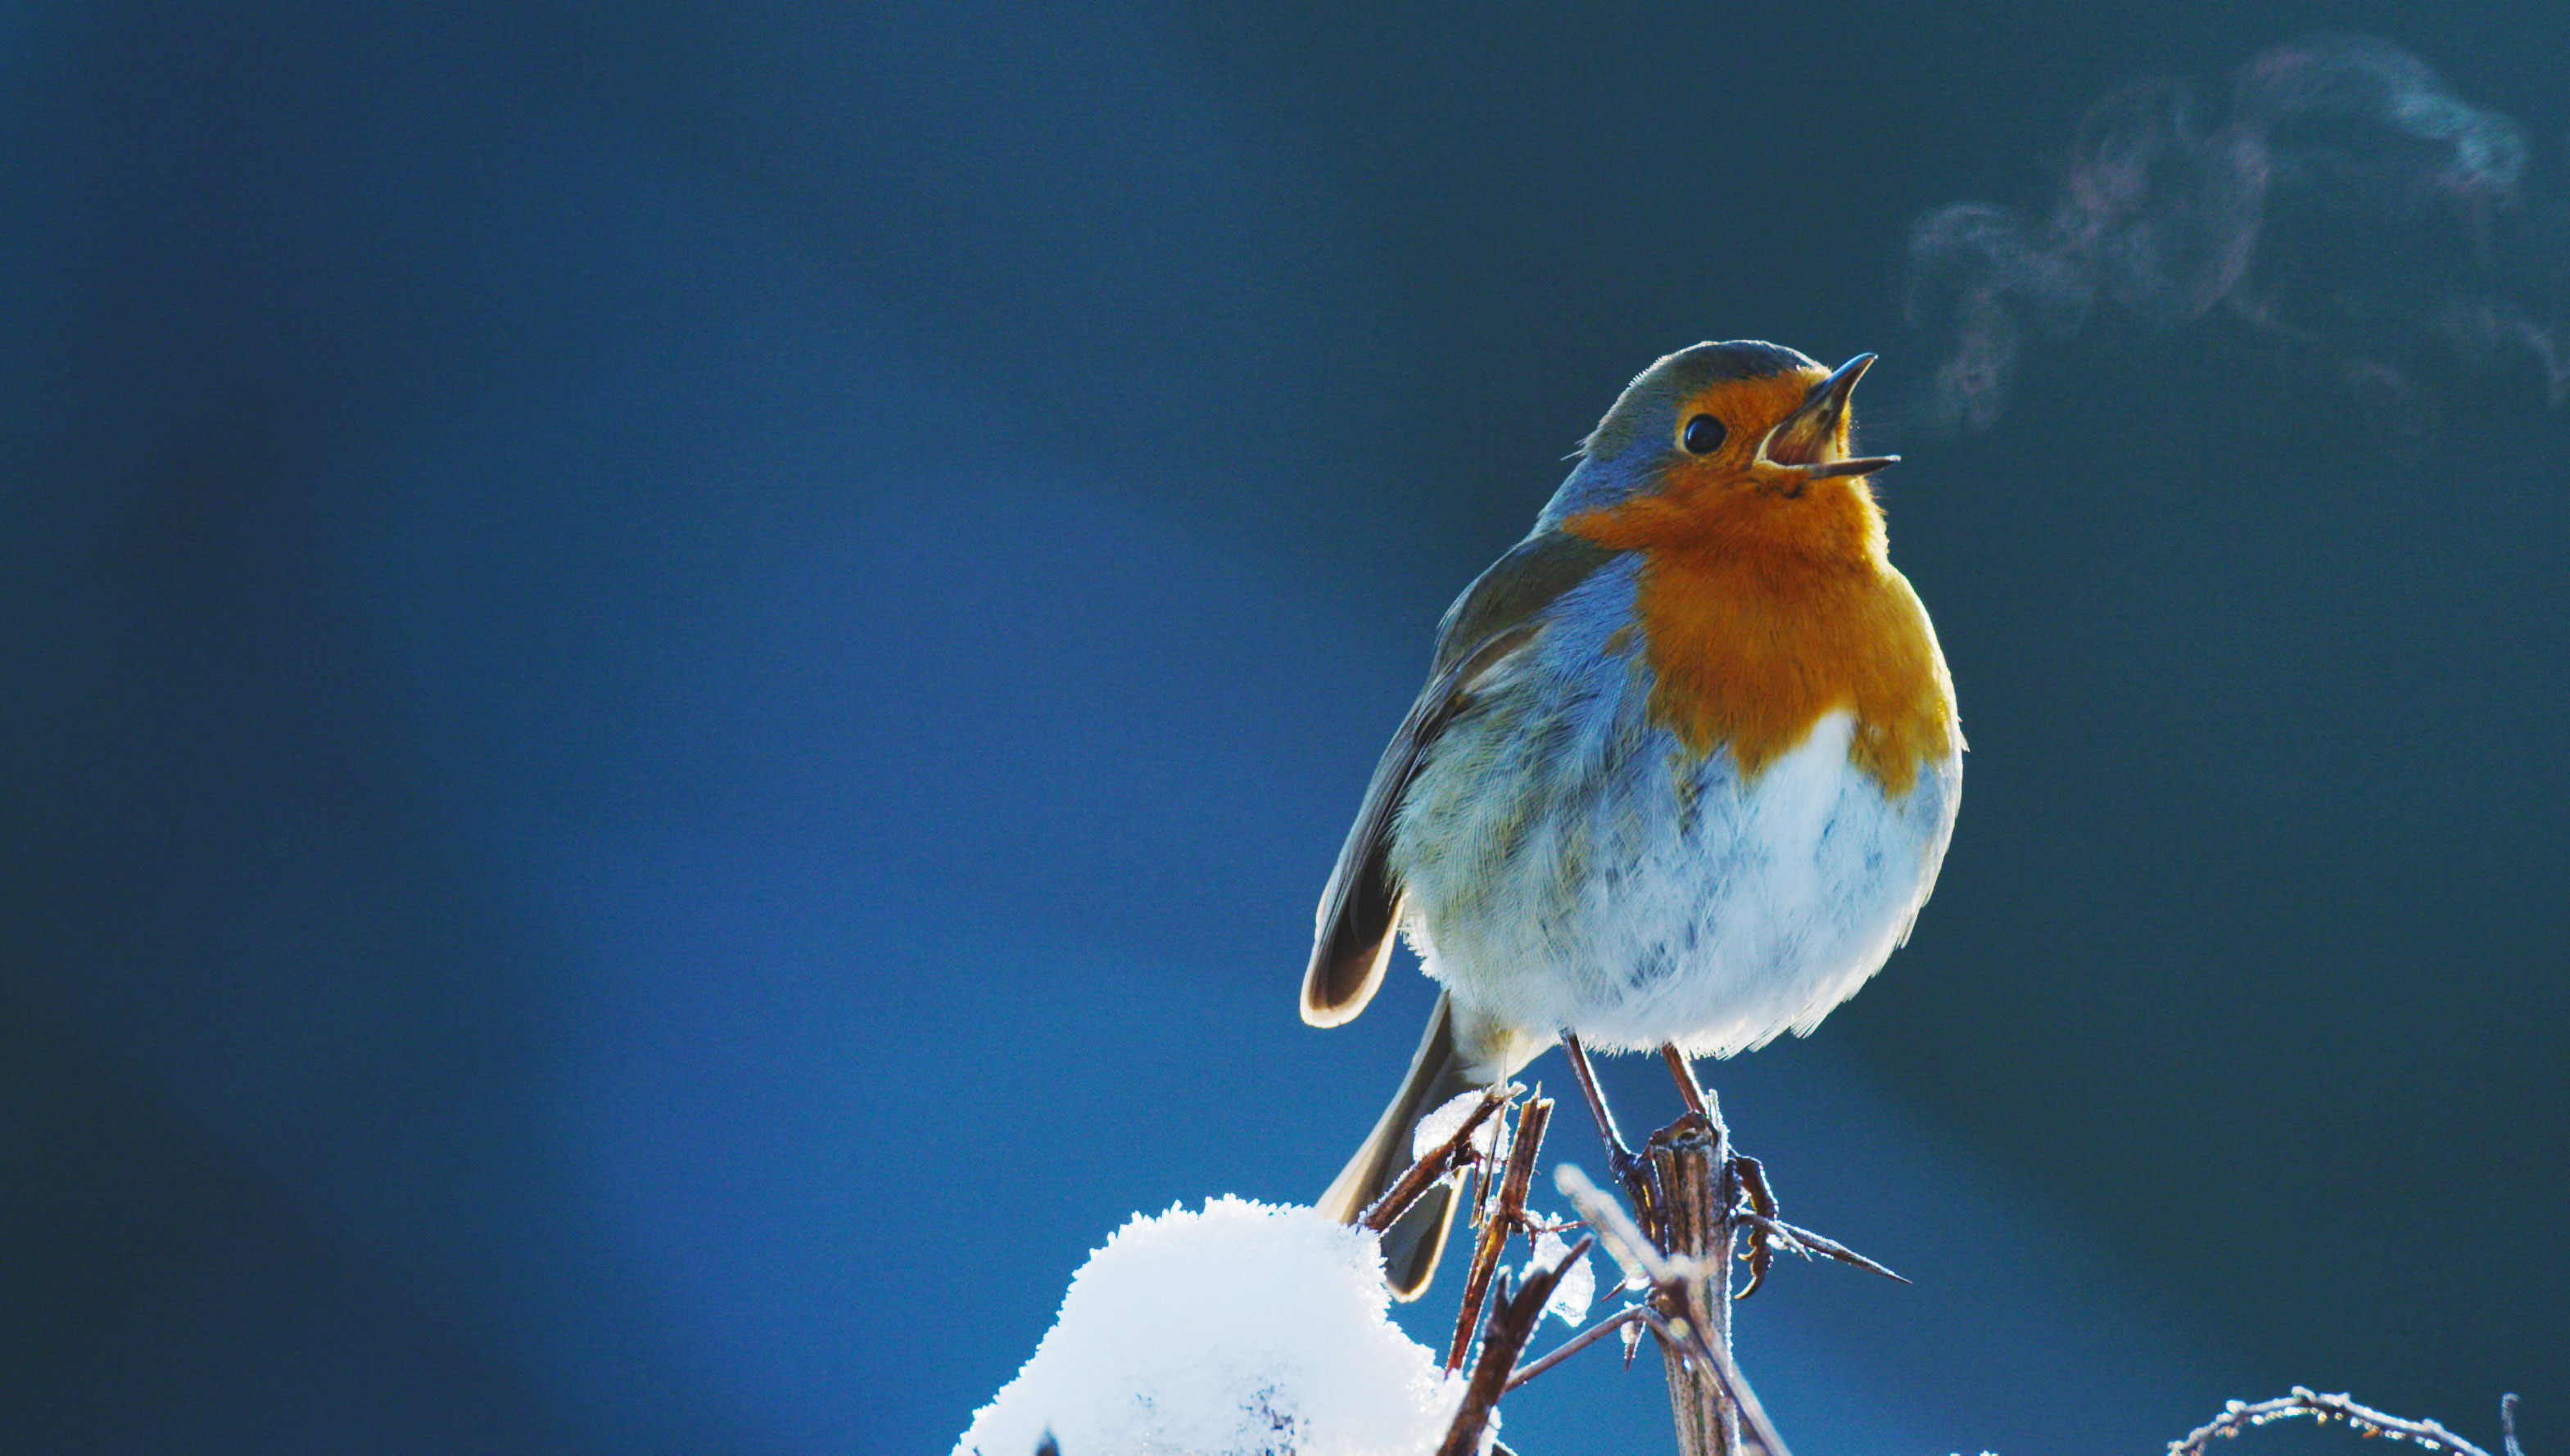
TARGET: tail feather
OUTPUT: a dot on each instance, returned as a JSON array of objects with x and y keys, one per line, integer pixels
[{"x": 1414, "y": 1243}]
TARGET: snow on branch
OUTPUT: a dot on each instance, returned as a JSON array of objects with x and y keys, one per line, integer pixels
[{"x": 1253, "y": 1329}]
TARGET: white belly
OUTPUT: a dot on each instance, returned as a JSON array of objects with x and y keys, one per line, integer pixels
[{"x": 1569, "y": 868}]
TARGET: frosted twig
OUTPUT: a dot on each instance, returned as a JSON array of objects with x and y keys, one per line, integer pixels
[
  {"x": 1753, "y": 1416},
  {"x": 2237, "y": 1416},
  {"x": 1577, "y": 1342},
  {"x": 1502, "y": 1220},
  {"x": 1667, "y": 1276},
  {"x": 1639, "y": 1259},
  {"x": 1442, "y": 1160},
  {"x": 1512, "y": 1323}
]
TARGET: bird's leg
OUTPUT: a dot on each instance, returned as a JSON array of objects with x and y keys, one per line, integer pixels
[
  {"x": 1742, "y": 1175},
  {"x": 1685, "y": 1074},
  {"x": 1621, "y": 1160},
  {"x": 1740, "y": 1180}
]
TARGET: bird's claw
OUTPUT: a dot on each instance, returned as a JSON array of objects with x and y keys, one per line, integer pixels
[
  {"x": 1622, "y": 1163},
  {"x": 1756, "y": 1209},
  {"x": 1750, "y": 1176}
]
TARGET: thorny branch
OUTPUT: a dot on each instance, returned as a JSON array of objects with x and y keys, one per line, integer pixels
[
  {"x": 1794, "y": 1239},
  {"x": 1515, "y": 1313},
  {"x": 2237, "y": 1416},
  {"x": 1667, "y": 1277}
]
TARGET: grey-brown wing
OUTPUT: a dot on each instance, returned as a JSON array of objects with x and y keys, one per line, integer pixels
[{"x": 1361, "y": 906}]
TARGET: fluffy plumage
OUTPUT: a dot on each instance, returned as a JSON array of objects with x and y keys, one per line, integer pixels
[{"x": 1685, "y": 767}]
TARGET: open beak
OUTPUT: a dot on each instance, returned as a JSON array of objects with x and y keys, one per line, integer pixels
[{"x": 1812, "y": 431}]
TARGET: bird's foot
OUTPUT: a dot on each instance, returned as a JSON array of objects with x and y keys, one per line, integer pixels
[
  {"x": 1754, "y": 1210},
  {"x": 1755, "y": 1207}
]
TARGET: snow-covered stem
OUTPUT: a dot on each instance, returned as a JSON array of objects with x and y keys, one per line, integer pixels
[
  {"x": 2237, "y": 1416},
  {"x": 1446, "y": 1157}
]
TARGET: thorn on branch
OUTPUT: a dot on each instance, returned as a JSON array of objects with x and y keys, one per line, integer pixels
[{"x": 1796, "y": 1240}]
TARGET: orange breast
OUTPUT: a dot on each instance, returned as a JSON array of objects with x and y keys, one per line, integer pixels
[{"x": 1760, "y": 616}]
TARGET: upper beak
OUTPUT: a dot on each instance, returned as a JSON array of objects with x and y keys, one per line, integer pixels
[{"x": 1812, "y": 431}]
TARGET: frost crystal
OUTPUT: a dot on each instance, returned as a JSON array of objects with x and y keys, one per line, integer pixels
[
  {"x": 1244, "y": 1328},
  {"x": 1578, "y": 1287}
]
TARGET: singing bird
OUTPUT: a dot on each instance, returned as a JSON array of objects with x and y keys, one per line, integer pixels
[{"x": 1683, "y": 771}]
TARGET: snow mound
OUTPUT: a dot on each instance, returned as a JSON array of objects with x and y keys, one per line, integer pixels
[{"x": 1245, "y": 1328}]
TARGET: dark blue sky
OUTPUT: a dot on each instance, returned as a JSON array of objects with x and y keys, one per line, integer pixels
[{"x": 680, "y": 678}]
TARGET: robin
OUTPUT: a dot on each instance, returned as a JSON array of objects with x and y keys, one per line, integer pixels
[{"x": 1682, "y": 774}]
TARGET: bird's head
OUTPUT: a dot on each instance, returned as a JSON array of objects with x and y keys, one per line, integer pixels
[{"x": 1744, "y": 438}]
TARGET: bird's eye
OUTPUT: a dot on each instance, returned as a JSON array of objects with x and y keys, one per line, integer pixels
[{"x": 1703, "y": 434}]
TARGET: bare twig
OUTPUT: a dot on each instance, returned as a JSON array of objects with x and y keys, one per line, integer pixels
[
  {"x": 1512, "y": 1323},
  {"x": 2507, "y": 1423},
  {"x": 1761, "y": 1431},
  {"x": 1577, "y": 1342},
  {"x": 1641, "y": 1260},
  {"x": 1502, "y": 1220},
  {"x": 1444, "y": 1159},
  {"x": 1485, "y": 1181},
  {"x": 2237, "y": 1416}
]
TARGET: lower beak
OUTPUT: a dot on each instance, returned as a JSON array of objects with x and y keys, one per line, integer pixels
[{"x": 1814, "y": 430}]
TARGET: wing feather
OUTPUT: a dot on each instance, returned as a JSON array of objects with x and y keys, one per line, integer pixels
[{"x": 1497, "y": 614}]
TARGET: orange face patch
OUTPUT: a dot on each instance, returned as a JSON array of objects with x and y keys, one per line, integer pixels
[
  {"x": 1748, "y": 408},
  {"x": 1762, "y": 611}
]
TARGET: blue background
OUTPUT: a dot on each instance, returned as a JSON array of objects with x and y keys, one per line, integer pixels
[{"x": 678, "y": 680}]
